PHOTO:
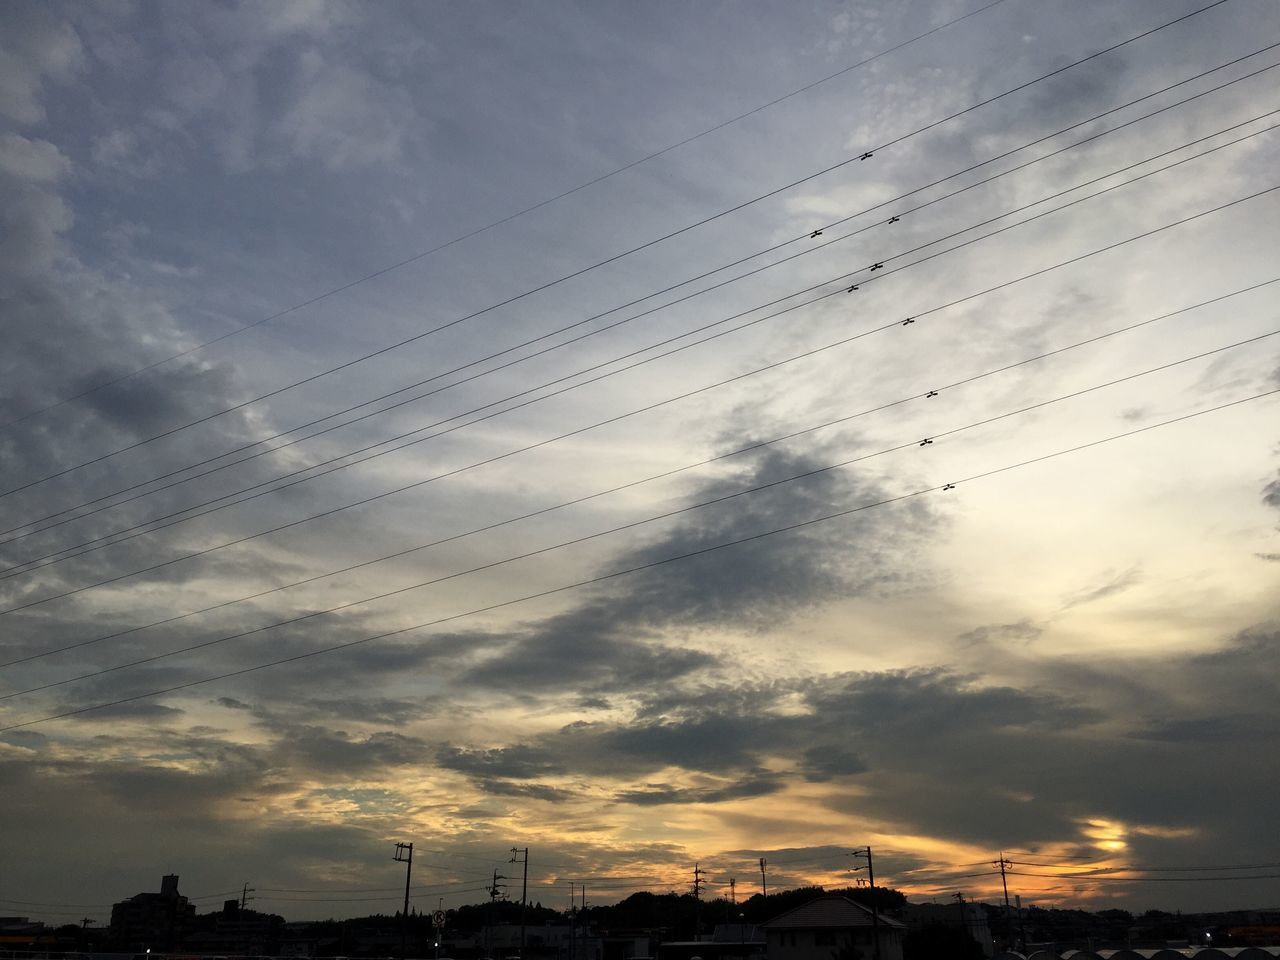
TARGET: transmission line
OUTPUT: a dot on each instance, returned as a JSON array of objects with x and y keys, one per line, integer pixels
[
  {"x": 497, "y": 223},
  {"x": 649, "y": 479},
  {"x": 914, "y": 442},
  {"x": 542, "y": 337},
  {"x": 865, "y": 155},
  {"x": 97, "y": 543},
  {"x": 737, "y": 377},
  {"x": 1213, "y": 879},
  {"x": 602, "y": 578}
]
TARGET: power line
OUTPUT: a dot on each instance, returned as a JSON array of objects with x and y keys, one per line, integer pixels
[
  {"x": 391, "y": 898},
  {"x": 1140, "y": 869},
  {"x": 631, "y": 525},
  {"x": 881, "y": 328},
  {"x": 1213, "y": 879},
  {"x": 507, "y": 219},
  {"x": 602, "y": 578},
  {"x": 97, "y": 542},
  {"x": 866, "y": 154},
  {"x": 316, "y": 421}
]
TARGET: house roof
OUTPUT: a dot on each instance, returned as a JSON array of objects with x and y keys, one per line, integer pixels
[{"x": 828, "y": 913}]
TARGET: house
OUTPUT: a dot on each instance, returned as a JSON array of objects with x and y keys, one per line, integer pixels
[{"x": 833, "y": 928}]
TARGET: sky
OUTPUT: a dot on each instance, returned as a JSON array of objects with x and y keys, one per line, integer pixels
[{"x": 662, "y": 536}]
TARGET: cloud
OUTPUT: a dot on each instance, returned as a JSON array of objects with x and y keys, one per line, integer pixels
[
  {"x": 1271, "y": 494},
  {"x": 1112, "y": 585},
  {"x": 343, "y": 118},
  {"x": 822, "y": 764},
  {"x": 604, "y": 644},
  {"x": 759, "y": 783},
  {"x": 35, "y": 161},
  {"x": 518, "y": 762},
  {"x": 1023, "y": 630},
  {"x": 35, "y": 50}
]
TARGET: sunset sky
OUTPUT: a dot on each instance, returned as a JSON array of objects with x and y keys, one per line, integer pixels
[{"x": 693, "y": 553}]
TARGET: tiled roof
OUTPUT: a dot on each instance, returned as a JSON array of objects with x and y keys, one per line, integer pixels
[{"x": 827, "y": 913}]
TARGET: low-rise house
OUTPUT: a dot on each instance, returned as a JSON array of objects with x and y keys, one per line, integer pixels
[{"x": 833, "y": 928}]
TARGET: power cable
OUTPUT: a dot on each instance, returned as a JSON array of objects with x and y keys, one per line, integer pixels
[
  {"x": 415, "y": 888},
  {"x": 865, "y": 155},
  {"x": 914, "y": 442},
  {"x": 944, "y": 878},
  {"x": 314, "y": 422},
  {"x": 119, "y": 577},
  {"x": 645, "y": 566},
  {"x": 248, "y": 493},
  {"x": 652, "y": 406},
  {"x": 1213, "y": 879},
  {"x": 393, "y": 897},
  {"x": 1139, "y": 869},
  {"x": 497, "y": 223}
]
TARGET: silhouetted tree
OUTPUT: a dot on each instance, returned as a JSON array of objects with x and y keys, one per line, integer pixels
[{"x": 936, "y": 941}]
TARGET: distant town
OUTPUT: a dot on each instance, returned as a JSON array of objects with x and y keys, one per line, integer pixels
[{"x": 808, "y": 923}]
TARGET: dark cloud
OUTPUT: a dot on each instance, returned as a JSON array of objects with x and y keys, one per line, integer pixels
[
  {"x": 587, "y": 650},
  {"x": 1224, "y": 728},
  {"x": 756, "y": 784},
  {"x": 24, "y": 738},
  {"x": 602, "y": 645},
  {"x": 938, "y": 703},
  {"x": 138, "y": 710},
  {"x": 534, "y": 791},
  {"x": 821, "y": 764},
  {"x": 516, "y": 762},
  {"x": 1024, "y": 631},
  {"x": 335, "y": 753},
  {"x": 1111, "y": 585},
  {"x": 1271, "y": 494}
]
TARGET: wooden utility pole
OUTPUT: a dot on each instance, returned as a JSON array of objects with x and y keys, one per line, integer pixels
[
  {"x": 865, "y": 854},
  {"x": 518, "y": 857},
  {"x": 404, "y": 854},
  {"x": 1003, "y": 864},
  {"x": 697, "y": 900}
]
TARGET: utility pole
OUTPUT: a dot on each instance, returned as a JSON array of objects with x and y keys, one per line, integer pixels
[
  {"x": 865, "y": 854},
  {"x": 733, "y": 891},
  {"x": 404, "y": 854},
  {"x": 764, "y": 882},
  {"x": 518, "y": 857},
  {"x": 1002, "y": 863},
  {"x": 697, "y": 900},
  {"x": 964, "y": 917},
  {"x": 495, "y": 890},
  {"x": 244, "y": 895},
  {"x": 573, "y": 924},
  {"x": 1022, "y": 931}
]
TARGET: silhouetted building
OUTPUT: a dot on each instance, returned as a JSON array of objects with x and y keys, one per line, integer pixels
[
  {"x": 153, "y": 920},
  {"x": 237, "y": 931},
  {"x": 831, "y": 926},
  {"x": 969, "y": 917}
]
